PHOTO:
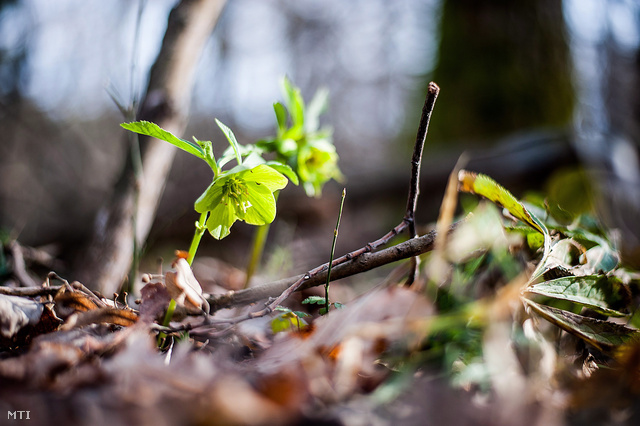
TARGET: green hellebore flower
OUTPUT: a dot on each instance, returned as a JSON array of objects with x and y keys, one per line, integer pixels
[
  {"x": 317, "y": 164},
  {"x": 246, "y": 194}
]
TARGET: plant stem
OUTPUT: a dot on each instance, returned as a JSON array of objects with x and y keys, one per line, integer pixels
[
  {"x": 200, "y": 228},
  {"x": 333, "y": 250},
  {"x": 259, "y": 240},
  {"x": 167, "y": 319}
]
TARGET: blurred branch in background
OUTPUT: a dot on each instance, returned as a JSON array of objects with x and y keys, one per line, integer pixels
[{"x": 108, "y": 254}]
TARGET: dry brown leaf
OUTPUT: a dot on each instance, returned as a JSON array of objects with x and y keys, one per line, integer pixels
[
  {"x": 339, "y": 356},
  {"x": 22, "y": 319},
  {"x": 69, "y": 302},
  {"x": 123, "y": 317},
  {"x": 154, "y": 301}
]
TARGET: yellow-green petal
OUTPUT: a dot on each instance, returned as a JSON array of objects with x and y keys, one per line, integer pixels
[
  {"x": 210, "y": 198},
  {"x": 266, "y": 176},
  {"x": 263, "y": 205},
  {"x": 221, "y": 218}
]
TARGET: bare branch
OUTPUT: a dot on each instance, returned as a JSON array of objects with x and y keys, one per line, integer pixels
[{"x": 344, "y": 266}]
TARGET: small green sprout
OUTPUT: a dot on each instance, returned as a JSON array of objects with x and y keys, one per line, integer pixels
[{"x": 321, "y": 300}]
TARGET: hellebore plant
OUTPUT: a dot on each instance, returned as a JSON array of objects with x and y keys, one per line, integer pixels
[
  {"x": 300, "y": 141},
  {"x": 301, "y": 144},
  {"x": 244, "y": 192},
  {"x": 304, "y": 152}
]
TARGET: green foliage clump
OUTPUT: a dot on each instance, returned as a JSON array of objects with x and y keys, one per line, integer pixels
[{"x": 301, "y": 142}]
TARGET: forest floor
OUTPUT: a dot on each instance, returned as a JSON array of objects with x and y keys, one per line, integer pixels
[{"x": 512, "y": 320}]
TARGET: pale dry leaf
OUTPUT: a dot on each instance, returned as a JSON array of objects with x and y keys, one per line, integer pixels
[
  {"x": 184, "y": 288},
  {"x": 16, "y": 313}
]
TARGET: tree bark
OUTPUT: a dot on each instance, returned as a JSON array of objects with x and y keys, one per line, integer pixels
[
  {"x": 505, "y": 67},
  {"x": 105, "y": 261}
]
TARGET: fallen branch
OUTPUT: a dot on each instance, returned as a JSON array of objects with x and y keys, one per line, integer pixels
[{"x": 351, "y": 264}]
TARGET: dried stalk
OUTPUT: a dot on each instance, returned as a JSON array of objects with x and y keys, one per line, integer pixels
[{"x": 416, "y": 162}]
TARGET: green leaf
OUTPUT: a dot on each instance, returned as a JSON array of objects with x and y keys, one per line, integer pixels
[
  {"x": 600, "y": 293},
  {"x": 287, "y": 321},
  {"x": 245, "y": 151},
  {"x": 151, "y": 129},
  {"x": 601, "y": 334},
  {"x": 281, "y": 116},
  {"x": 316, "y": 107},
  {"x": 485, "y": 186},
  {"x": 285, "y": 170},
  {"x": 295, "y": 104},
  {"x": 232, "y": 140},
  {"x": 601, "y": 259},
  {"x": 314, "y": 300}
]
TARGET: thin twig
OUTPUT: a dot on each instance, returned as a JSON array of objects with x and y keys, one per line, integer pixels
[
  {"x": 416, "y": 161},
  {"x": 77, "y": 285},
  {"x": 333, "y": 250}
]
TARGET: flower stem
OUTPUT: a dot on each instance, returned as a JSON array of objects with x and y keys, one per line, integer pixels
[
  {"x": 200, "y": 228},
  {"x": 333, "y": 250},
  {"x": 259, "y": 240},
  {"x": 167, "y": 319}
]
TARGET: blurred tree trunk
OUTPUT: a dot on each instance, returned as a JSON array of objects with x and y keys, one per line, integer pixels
[
  {"x": 503, "y": 66},
  {"x": 106, "y": 259}
]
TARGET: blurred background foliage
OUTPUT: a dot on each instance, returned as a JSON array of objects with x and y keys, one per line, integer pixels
[{"x": 529, "y": 89}]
